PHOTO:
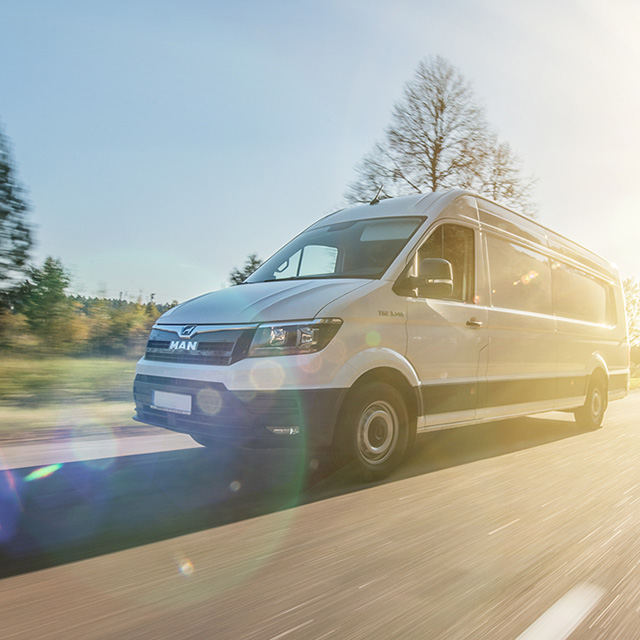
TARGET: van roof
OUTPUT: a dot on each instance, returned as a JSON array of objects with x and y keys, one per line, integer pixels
[
  {"x": 422, "y": 204},
  {"x": 417, "y": 205}
]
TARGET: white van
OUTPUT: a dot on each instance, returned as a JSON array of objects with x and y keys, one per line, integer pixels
[{"x": 387, "y": 319}]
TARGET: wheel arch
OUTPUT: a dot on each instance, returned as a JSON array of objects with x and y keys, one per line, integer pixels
[
  {"x": 597, "y": 368},
  {"x": 398, "y": 381}
]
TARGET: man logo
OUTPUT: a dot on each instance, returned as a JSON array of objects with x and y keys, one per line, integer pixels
[
  {"x": 187, "y": 330},
  {"x": 183, "y": 345}
]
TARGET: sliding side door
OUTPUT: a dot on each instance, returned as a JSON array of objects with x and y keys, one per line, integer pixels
[{"x": 522, "y": 355}]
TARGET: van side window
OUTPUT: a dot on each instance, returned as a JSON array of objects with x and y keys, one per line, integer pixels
[
  {"x": 455, "y": 244},
  {"x": 314, "y": 259},
  {"x": 578, "y": 296},
  {"x": 492, "y": 215},
  {"x": 520, "y": 278}
]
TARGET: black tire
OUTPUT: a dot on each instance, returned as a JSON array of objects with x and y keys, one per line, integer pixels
[
  {"x": 591, "y": 414},
  {"x": 372, "y": 431}
]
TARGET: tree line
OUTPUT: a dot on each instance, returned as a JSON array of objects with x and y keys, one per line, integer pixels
[{"x": 39, "y": 317}]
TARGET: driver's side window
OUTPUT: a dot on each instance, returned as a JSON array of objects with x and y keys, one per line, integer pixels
[{"x": 455, "y": 244}]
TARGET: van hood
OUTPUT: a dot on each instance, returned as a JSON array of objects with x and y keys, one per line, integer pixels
[{"x": 262, "y": 302}]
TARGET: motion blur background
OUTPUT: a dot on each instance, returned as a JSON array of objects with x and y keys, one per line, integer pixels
[{"x": 162, "y": 142}]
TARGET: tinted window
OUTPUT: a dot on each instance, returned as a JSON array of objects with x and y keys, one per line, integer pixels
[
  {"x": 520, "y": 278},
  {"x": 455, "y": 244},
  {"x": 579, "y": 296},
  {"x": 492, "y": 215}
]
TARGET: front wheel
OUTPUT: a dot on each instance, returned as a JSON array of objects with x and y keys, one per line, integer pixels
[
  {"x": 373, "y": 431},
  {"x": 590, "y": 415}
]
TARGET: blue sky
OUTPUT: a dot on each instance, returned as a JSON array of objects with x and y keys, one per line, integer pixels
[{"x": 162, "y": 141}]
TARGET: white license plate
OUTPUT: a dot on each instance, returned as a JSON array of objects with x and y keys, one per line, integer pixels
[{"x": 175, "y": 402}]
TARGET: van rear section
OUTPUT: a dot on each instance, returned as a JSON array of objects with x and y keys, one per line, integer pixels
[{"x": 382, "y": 321}]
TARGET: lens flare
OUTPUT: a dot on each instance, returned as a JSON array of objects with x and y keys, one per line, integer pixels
[
  {"x": 186, "y": 568},
  {"x": 11, "y": 508},
  {"x": 92, "y": 442},
  {"x": 267, "y": 376},
  {"x": 336, "y": 352},
  {"x": 96, "y": 454},
  {"x": 373, "y": 339},
  {"x": 43, "y": 472},
  {"x": 209, "y": 400},
  {"x": 313, "y": 365}
]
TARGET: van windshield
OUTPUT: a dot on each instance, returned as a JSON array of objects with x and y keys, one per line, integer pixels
[{"x": 356, "y": 249}]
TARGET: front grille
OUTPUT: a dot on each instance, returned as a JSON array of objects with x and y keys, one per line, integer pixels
[{"x": 213, "y": 348}]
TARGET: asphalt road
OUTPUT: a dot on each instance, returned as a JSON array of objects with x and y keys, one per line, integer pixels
[
  {"x": 64, "y": 450},
  {"x": 524, "y": 529}
]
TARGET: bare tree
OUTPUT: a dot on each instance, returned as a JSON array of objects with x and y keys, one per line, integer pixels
[
  {"x": 439, "y": 138},
  {"x": 497, "y": 174}
]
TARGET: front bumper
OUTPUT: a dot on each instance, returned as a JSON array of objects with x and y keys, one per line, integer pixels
[{"x": 243, "y": 418}]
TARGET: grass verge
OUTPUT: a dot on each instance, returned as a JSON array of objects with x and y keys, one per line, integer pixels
[
  {"x": 30, "y": 381},
  {"x": 44, "y": 398}
]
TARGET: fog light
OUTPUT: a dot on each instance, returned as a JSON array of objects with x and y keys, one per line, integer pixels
[{"x": 284, "y": 431}]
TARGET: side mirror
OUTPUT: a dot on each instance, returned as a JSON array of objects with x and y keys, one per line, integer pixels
[{"x": 434, "y": 280}]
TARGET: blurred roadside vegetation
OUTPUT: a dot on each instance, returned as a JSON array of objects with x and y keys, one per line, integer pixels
[
  {"x": 38, "y": 318},
  {"x": 67, "y": 363},
  {"x": 57, "y": 348},
  {"x": 61, "y": 396},
  {"x": 33, "y": 381}
]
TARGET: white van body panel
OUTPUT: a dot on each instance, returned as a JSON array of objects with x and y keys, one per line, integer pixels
[
  {"x": 261, "y": 302},
  {"x": 375, "y": 359},
  {"x": 457, "y": 360}
]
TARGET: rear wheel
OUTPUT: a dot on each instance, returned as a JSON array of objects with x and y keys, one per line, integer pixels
[
  {"x": 373, "y": 431},
  {"x": 590, "y": 415}
]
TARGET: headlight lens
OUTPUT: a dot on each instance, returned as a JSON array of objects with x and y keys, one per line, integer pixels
[{"x": 293, "y": 338}]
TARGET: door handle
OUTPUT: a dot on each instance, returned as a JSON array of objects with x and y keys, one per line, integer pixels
[{"x": 472, "y": 322}]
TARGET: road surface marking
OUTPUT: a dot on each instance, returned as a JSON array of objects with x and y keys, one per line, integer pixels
[
  {"x": 559, "y": 621},
  {"x": 593, "y": 624},
  {"x": 504, "y": 526}
]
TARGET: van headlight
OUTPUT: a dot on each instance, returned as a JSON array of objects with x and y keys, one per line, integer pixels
[{"x": 293, "y": 338}]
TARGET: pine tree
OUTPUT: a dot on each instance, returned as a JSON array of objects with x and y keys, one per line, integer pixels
[
  {"x": 238, "y": 276},
  {"x": 15, "y": 233}
]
